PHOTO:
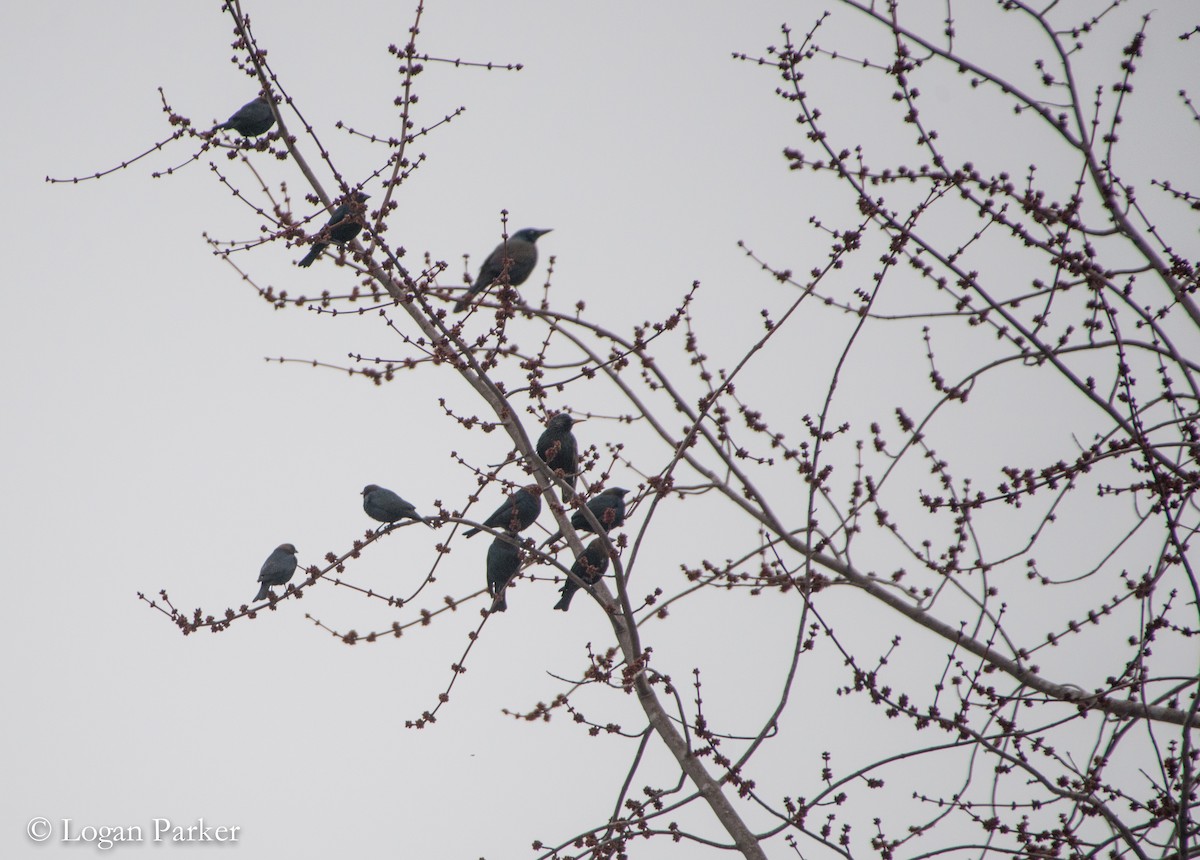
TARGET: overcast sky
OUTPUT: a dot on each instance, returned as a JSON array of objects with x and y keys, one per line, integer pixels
[{"x": 151, "y": 446}]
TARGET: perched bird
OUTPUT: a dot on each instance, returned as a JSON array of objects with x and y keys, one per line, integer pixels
[
  {"x": 251, "y": 119},
  {"x": 517, "y": 513},
  {"x": 503, "y": 562},
  {"x": 557, "y": 446},
  {"x": 608, "y": 508},
  {"x": 385, "y": 506},
  {"x": 589, "y": 567},
  {"x": 340, "y": 228},
  {"x": 277, "y": 569},
  {"x": 517, "y": 256}
]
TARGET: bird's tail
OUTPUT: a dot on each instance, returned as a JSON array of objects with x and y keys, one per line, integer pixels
[
  {"x": 312, "y": 256},
  {"x": 499, "y": 604},
  {"x": 471, "y": 532},
  {"x": 263, "y": 593},
  {"x": 564, "y": 602},
  {"x": 461, "y": 304}
]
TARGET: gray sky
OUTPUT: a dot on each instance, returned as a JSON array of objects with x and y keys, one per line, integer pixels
[{"x": 151, "y": 447}]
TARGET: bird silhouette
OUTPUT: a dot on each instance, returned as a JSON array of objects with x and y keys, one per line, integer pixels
[
  {"x": 339, "y": 229},
  {"x": 251, "y": 119},
  {"x": 590, "y": 566},
  {"x": 503, "y": 562},
  {"x": 277, "y": 569},
  {"x": 608, "y": 507},
  {"x": 386, "y": 507},
  {"x": 513, "y": 258},
  {"x": 559, "y": 449},
  {"x": 517, "y": 513}
]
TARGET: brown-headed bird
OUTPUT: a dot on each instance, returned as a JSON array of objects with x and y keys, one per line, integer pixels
[
  {"x": 251, "y": 119},
  {"x": 503, "y": 562},
  {"x": 608, "y": 508},
  {"x": 387, "y": 507},
  {"x": 517, "y": 513},
  {"x": 512, "y": 262},
  {"x": 341, "y": 227},
  {"x": 589, "y": 567},
  {"x": 277, "y": 569},
  {"x": 558, "y": 448}
]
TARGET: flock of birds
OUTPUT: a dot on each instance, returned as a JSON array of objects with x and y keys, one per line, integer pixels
[
  {"x": 512, "y": 262},
  {"x": 558, "y": 448}
]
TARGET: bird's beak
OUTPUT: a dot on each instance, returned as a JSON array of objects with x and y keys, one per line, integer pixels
[{"x": 542, "y": 233}]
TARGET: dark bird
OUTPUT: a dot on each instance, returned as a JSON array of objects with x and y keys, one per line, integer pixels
[
  {"x": 385, "y": 506},
  {"x": 340, "y": 228},
  {"x": 517, "y": 256},
  {"x": 589, "y": 567},
  {"x": 277, "y": 569},
  {"x": 557, "y": 446},
  {"x": 608, "y": 508},
  {"x": 503, "y": 562},
  {"x": 517, "y": 513},
  {"x": 251, "y": 119}
]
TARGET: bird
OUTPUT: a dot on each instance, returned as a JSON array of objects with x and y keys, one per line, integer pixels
[
  {"x": 589, "y": 567},
  {"x": 277, "y": 569},
  {"x": 517, "y": 513},
  {"x": 251, "y": 119},
  {"x": 608, "y": 508},
  {"x": 515, "y": 256},
  {"x": 558, "y": 448},
  {"x": 503, "y": 562},
  {"x": 384, "y": 505},
  {"x": 340, "y": 228}
]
